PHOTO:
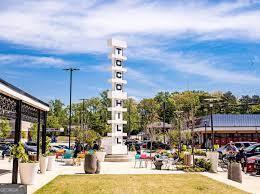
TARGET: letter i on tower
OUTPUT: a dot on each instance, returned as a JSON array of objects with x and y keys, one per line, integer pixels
[{"x": 117, "y": 96}]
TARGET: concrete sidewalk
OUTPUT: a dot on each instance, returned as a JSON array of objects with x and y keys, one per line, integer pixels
[{"x": 250, "y": 183}]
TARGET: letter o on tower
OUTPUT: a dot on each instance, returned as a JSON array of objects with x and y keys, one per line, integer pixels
[
  {"x": 118, "y": 87},
  {"x": 118, "y": 74},
  {"x": 118, "y": 62}
]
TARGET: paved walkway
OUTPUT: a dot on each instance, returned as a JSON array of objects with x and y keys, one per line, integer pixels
[{"x": 250, "y": 183}]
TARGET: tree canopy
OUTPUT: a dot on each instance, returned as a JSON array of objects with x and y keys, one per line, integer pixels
[{"x": 94, "y": 114}]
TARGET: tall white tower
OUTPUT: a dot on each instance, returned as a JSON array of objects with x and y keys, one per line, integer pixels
[{"x": 117, "y": 96}]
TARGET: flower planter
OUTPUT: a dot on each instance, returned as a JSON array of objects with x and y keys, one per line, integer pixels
[
  {"x": 43, "y": 164},
  {"x": 213, "y": 158},
  {"x": 91, "y": 164},
  {"x": 28, "y": 172},
  {"x": 51, "y": 163},
  {"x": 158, "y": 164},
  {"x": 101, "y": 156},
  {"x": 235, "y": 172}
]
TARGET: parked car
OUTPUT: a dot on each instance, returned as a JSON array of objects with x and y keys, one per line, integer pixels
[
  {"x": 59, "y": 147},
  {"x": 250, "y": 163},
  {"x": 30, "y": 147},
  {"x": 156, "y": 145},
  {"x": 252, "y": 150},
  {"x": 238, "y": 145}
]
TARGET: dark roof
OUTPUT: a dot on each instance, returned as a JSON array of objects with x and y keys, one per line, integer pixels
[
  {"x": 231, "y": 120},
  {"x": 22, "y": 92}
]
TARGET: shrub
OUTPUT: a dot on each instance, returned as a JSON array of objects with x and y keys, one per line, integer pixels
[
  {"x": 203, "y": 163},
  {"x": 190, "y": 168},
  {"x": 184, "y": 148},
  {"x": 199, "y": 153}
]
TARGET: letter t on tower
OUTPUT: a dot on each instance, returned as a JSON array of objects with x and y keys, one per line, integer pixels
[{"x": 117, "y": 96}]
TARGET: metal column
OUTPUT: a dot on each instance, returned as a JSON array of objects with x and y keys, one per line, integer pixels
[
  {"x": 38, "y": 134},
  {"x": 44, "y": 132},
  {"x": 17, "y": 138}
]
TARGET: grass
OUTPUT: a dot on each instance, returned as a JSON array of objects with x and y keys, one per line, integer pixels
[{"x": 97, "y": 184}]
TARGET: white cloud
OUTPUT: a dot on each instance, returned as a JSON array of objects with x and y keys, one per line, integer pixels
[
  {"x": 66, "y": 26},
  {"x": 196, "y": 65},
  {"x": 32, "y": 61},
  {"x": 83, "y": 27}
]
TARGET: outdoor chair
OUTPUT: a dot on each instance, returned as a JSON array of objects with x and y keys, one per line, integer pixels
[
  {"x": 171, "y": 163},
  {"x": 140, "y": 159},
  {"x": 68, "y": 158}
]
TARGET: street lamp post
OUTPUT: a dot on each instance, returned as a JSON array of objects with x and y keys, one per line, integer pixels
[
  {"x": 205, "y": 124},
  {"x": 70, "y": 70},
  {"x": 211, "y": 124}
]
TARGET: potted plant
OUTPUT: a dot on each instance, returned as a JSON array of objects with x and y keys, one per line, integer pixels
[
  {"x": 91, "y": 162},
  {"x": 50, "y": 155},
  {"x": 28, "y": 169},
  {"x": 43, "y": 163}
]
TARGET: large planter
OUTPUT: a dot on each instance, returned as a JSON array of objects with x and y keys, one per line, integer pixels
[
  {"x": 43, "y": 164},
  {"x": 91, "y": 164},
  {"x": 28, "y": 172},
  {"x": 213, "y": 158},
  {"x": 158, "y": 164},
  {"x": 51, "y": 163},
  {"x": 101, "y": 156},
  {"x": 235, "y": 172}
]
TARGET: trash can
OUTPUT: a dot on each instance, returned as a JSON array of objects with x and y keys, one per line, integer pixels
[
  {"x": 187, "y": 159},
  {"x": 235, "y": 172},
  {"x": 213, "y": 158}
]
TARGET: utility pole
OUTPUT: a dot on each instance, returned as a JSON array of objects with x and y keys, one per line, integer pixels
[
  {"x": 71, "y": 71},
  {"x": 83, "y": 123},
  {"x": 179, "y": 115}
]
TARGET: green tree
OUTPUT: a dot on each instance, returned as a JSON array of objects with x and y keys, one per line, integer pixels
[
  {"x": 53, "y": 122},
  {"x": 131, "y": 116},
  {"x": 5, "y": 128},
  {"x": 33, "y": 132},
  {"x": 167, "y": 106},
  {"x": 58, "y": 111},
  {"x": 148, "y": 109}
]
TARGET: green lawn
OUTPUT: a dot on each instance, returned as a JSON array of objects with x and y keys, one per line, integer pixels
[{"x": 124, "y": 184}]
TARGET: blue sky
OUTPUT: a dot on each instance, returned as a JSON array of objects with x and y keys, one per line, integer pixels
[{"x": 172, "y": 45}]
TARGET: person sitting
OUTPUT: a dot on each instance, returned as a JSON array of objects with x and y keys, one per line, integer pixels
[
  {"x": 231, "y": 148},
  {"x": 231, "y": 151},
  {"x": 96, "y": 146}
]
